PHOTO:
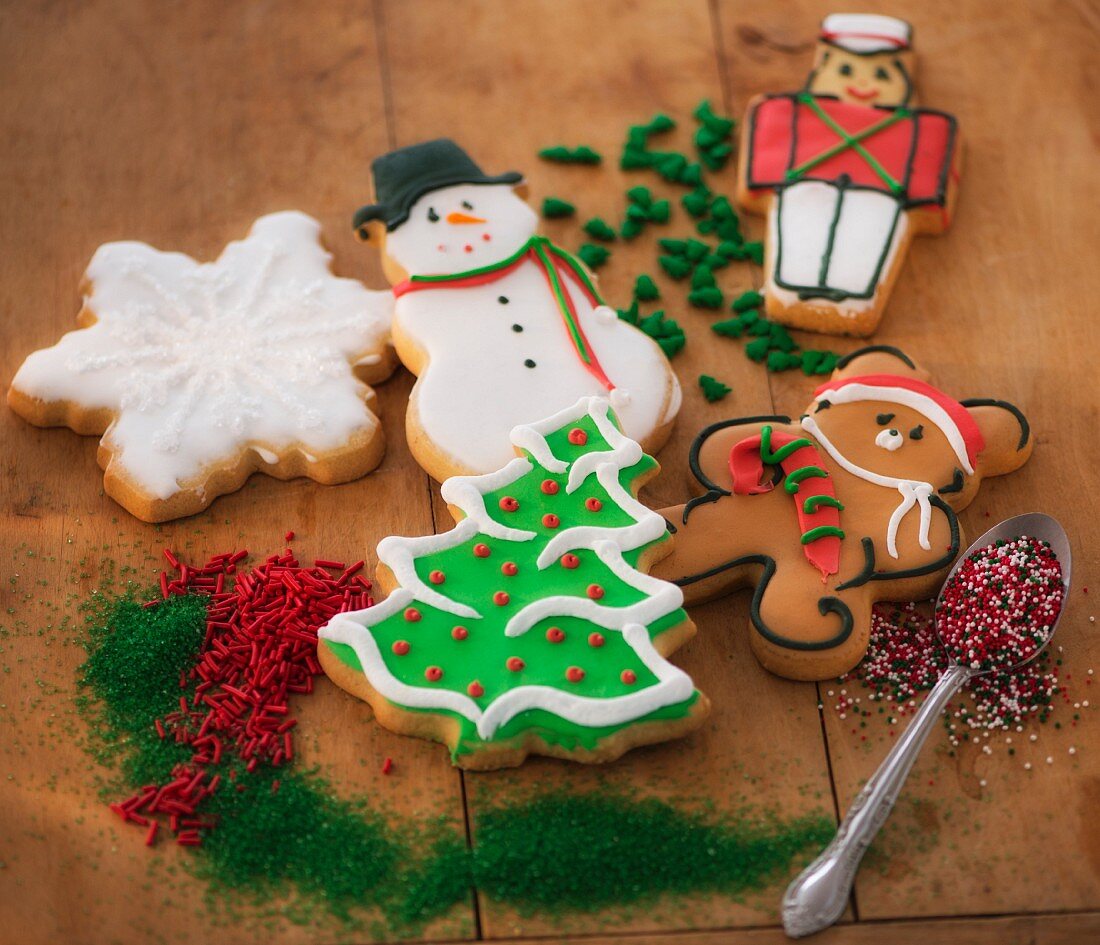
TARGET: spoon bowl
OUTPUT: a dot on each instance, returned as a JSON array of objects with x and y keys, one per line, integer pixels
[{"x": 1033, "y": 525}]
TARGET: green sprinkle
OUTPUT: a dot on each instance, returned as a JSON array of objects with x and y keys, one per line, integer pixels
[
  {"x": 713, "y": 389},
  {"x": 782, "y": 361},
  {"x": 673, "y": 247},
  {"x": 553, "y": 208},
  {"x": 747, "y": 300},
  {"x": 730, "y": 328},
  {"x": 675, "y": 266},
  {"x": 629, "y": 315},
  {"x": 709, "y": 297},
  {"x": 696, "y": 202},
  {"x": 599, "y": 229},
  {"x": 757, "y": 349},
  {"x": 645, "y": 289},
  {"x": 702, "y": 278},
  {"x": 593, "y": 256},
  {"x": 667, "y": 333},
  {"x": 563, "y": 155},
  {"x": 631, "y": 228}
]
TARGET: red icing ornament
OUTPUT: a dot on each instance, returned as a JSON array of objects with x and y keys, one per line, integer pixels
[
  {"x": 628, "y": 676},
  {"x": 509, "y": 568},
  {"x": 514, "y": 663},
  {"x": 594, "y": 591},
  {"x": 437, "y": 577},
  {"x": 550, "y": 520},
  {"x": 578, "y": 437},
  {"x": 570, "y": 561},
  {"x": 500, "y": 598},
  {"x": 593, "y": 504},
  {"x": 475, "y": 690},
  {"x": 596, "y": 639},
  {"x": 555, "y": 634},
  {"x": 509, "y": 503},
  {"x": 549, "y": 487},
  {"x": 481, "y": 551},
  {"x": 412, "y": 615},
  {"x": 460, "y": 633},
  {"x": 400, "y": 647},
  {"x": 574, "y": 674},
  {"x": 433, "y": 674}
]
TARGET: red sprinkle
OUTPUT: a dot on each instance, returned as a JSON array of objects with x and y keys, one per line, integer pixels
[
  {"x": 400, "y": 647},
  {"x": 460, "y": 633},
  {"x": 574, "y": 674},
  {"x": 509, "y": 568},
  {"x": 595, "y": 591},
  {"x": 578, "y": 437},
  {"x": 628, "y": 676},
  {"x": 437, "y": 577},
  {"x": 549, "y": 487},
  {"x": 475, "y": 690},
  {"x": 509, "y": 503},
  {"x": 501, "y": 598},
  {"x": 433, "y": 674},
  {"x": 481, "y": 551},
  {"x": 514, "y": 663},
  {"x": 596, "y": 639},
  {"x": 593, "y": 504},
  {"x": 570, "y": 560},
  {"x": 550, "y": 520},
  {"x": 387, "y": 766},
  {"x": 555, "y": 634}
]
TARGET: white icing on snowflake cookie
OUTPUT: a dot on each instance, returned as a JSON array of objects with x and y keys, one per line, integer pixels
[{"x": 198, "y": 374}]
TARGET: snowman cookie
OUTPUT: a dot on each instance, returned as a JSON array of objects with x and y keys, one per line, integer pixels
[
  {"x": 198, "y": 374},
  {"x": 500, "y": 326}
]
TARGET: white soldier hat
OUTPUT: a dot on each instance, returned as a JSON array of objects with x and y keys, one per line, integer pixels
[{"x": 865, "y": 33}]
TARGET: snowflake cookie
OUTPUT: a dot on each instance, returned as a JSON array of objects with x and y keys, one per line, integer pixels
[
  {"x": 532, "y": 626},
  {"x": 198, "y": 374}
]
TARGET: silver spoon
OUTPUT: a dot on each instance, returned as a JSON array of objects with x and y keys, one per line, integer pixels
[{"x": 816, "y": 899}]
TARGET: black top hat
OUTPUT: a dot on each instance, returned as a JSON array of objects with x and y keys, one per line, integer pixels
[{"x": 403, "y": 176}]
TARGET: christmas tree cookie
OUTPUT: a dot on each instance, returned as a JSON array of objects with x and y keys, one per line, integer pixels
[{"x": 532, "y": 626}]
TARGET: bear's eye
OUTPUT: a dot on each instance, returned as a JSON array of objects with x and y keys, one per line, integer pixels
[
  {"x": 881, "y": 74},
  {"x": 433, "y": 217},
  {"x": 466, "y": 205},
  {"x": 884, "y": 418},
  {"x": 917, "y": 433},
  {"x": 889, "y": 439},
  {"x": 845, "y": 69}
]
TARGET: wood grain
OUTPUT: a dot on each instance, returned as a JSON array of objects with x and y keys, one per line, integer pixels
[{"x": 179, "y": 124}]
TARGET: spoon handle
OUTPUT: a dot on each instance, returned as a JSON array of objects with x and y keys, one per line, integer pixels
[{"x": 816, "y": 899}]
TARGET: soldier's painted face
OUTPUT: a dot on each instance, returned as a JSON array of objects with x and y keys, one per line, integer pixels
[{"x": 879, "y": 79}]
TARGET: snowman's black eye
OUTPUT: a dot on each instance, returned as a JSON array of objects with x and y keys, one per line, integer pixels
[
  {"x": 881, "y": 74},
  {"x": 883, "y": 418},
  {"x": 432, "y": 215},
  {"x": 917, "y": 433},
  {"x": 845, "y": 69},
  {"x": 466, "y": 205}
]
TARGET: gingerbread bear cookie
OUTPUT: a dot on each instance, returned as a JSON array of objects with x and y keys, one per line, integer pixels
[
  {"x": 847, "y": 171},
  {"x": 500, "y": 326},
  {"x": 852, "y": 503},
  {"x": 198, "y": 374},
  {"x": 532, "y": 625}
]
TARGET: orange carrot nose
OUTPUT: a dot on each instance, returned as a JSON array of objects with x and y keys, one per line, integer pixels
[{"x": 463, "y": 218}]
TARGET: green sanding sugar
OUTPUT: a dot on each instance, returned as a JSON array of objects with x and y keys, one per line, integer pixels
[{"x": 565, "y": 851}]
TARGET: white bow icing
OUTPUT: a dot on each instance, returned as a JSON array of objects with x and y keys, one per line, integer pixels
[{"x": 913, "y": 491}]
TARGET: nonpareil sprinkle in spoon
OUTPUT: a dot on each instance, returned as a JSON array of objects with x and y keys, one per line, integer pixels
[{"x": 997, "y": 610}]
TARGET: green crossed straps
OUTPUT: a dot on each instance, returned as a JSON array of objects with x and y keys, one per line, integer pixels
[{"x": 849, "y": 141}]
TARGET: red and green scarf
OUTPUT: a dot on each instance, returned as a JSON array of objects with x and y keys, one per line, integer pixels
[
  {"x": 555, "y": 265},
  {"x": 805, "y": 479}
]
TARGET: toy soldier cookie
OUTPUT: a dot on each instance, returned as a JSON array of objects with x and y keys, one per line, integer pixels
[{"x": 847, "y": 171}]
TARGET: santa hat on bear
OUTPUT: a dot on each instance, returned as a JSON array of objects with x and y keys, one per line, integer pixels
[
  {"x": 948, "y": 415},
  {"x": 866, "y": 33}
]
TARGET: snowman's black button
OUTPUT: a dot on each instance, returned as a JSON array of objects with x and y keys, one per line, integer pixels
[
  {"x": 529, "y": 363},
  {"x": 517, "y": 328},
  {"x": 503, "y": 299}
]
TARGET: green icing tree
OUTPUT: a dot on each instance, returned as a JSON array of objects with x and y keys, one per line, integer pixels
[{"x": 530, "y": 624}]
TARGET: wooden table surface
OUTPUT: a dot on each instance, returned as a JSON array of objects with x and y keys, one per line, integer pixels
[{"x": 179, "y": 123}]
